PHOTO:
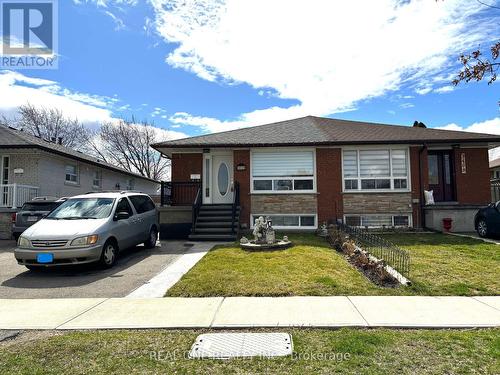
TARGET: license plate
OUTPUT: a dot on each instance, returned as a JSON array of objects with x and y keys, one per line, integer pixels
[
  {"x": 45, "y": 258},
  {"x": 32, "y": 218}
]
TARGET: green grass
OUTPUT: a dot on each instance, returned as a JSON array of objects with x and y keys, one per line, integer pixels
[
  {"x": 344, "y": 351},
  {"x": 440, "y": 265},
  {"x": 450, "y": 265}
]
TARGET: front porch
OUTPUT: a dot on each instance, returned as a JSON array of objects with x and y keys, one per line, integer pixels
[
  {"x": 462, "y": 216},
  {"x": 15, "y": 195},
  {"x": 183, "y": 213}
]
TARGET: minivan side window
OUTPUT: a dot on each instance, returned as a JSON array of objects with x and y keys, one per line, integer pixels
[
  {"x": 142, "y": 203},
  {"x": 124, "y": 206}
]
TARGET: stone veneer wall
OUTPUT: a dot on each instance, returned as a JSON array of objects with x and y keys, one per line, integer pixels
[
  {"x": 284, "y": 203},
  {"x": 6, "y": 223},
  {"x": 377, "y": 203}
]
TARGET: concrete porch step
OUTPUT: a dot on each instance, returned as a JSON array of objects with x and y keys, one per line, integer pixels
[
  {"x": 216, "y": 207},
  {"x": 214, "y": 219},
  {"x": 217, "y": 213},
  {"x": 212, "y": 237},
  {"x": 216, "y": 224},
  {"x": 212, "y": 230}
]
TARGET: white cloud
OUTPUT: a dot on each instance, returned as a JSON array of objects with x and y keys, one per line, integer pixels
[
  {"x": 444, "y": 89},
  {"x": 119, "y": 24},
  {"x": 107, "y": 3},
  {"x": 18, "y": 89},
  {"x": 407, "y": 105},
  {"x": 489, "y": 127},
  {"x": 423, "y": 90},
  {"x": 328, "y": 56}
]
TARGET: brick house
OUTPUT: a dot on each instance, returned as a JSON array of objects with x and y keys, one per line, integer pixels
[{"x": 311, "y": 170}]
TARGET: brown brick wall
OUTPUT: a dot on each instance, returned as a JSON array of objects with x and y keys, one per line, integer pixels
[
  {"x": 283, "y": 203},
  {"x": 473, "y": 187},
  {"x": 374, "y": 203},
  {"x": 329, "y": 184},
  {"x": 243, "y": 177},
  {"x": 184, "y": 165}
]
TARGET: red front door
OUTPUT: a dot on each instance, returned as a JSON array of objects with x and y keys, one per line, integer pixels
[{"x": 441, "y": 175}]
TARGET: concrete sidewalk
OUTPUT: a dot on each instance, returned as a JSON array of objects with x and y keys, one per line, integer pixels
[{"x": 246, "y": 312}]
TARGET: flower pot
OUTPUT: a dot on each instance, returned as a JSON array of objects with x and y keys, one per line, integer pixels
[{"x": 447, "y": 223}]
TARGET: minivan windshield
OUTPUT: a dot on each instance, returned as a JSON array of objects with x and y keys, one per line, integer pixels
[{"x": 83, "y": 208}]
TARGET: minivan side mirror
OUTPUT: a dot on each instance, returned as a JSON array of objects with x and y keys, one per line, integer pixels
[{"x": 123, "y": 215}]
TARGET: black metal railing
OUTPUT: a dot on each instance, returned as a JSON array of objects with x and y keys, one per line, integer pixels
[
  {"x": 178, "y": 193},
  {"x": 236, "y": 204},
  {"x": 495, "y": 190},
  {"x": 380, "y": 248},
  {"x": 196, "y": 207}
]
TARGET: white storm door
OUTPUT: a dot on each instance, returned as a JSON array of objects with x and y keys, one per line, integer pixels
[{"x": 222, "y": 179}]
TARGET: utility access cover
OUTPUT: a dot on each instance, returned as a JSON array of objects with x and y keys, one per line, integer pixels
[{"x": 234, "y": 345}]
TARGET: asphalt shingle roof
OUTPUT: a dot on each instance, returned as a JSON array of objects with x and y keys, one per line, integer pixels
[
  {"x": 14, "y": 138},
  {"x": 312, "y": 130}
]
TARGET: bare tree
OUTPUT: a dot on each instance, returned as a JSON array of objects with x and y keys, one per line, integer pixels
[
  {"x": 127, "y": 145},
  {"x": 50, "y": 124}
]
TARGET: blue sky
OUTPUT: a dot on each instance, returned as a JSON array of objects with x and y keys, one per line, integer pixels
[{"x": 193, "y": 67}]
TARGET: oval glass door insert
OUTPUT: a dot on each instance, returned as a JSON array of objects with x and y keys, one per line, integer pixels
[{"x": 223, "y": 179}]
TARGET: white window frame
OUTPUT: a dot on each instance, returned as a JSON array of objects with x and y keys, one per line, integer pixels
[
  {"x": 293, "y": 178},
  {"x": 77, "y": 174},
  {"x": 7, "y": 180},
  {"x": 392, "y": 215},
  {"x": 299, "y": 227},
  {"x": 97, "y": 172},
  {"x": 389, "y": 148}
]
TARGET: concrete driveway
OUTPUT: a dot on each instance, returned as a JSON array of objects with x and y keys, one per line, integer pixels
[{"x": 133, "y": 268}]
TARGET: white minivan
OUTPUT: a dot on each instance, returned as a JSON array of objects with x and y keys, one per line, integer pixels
[{"x": 89, "y": 228}]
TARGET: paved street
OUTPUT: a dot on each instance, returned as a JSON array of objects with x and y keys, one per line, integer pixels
[{"x": 134, "y": 267}]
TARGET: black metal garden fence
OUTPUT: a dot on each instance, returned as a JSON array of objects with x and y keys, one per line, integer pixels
[
  {"x": 495, "y": 190},
  {"x": 380, "y": 248}
]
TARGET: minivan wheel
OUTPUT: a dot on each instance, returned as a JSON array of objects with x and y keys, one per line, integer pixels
[
  {"x": 108, "y": 255},
  {"x": 151, "y": 242},
  {"x": 482, "y": 228}
]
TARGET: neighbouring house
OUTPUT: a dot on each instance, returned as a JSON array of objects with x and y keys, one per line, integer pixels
[
  {"x": 32, "y": 166},
  {"x": 311, "y": 170},
  {"x": 495, "y": 169},
  {"x": 495, "y": 179}
]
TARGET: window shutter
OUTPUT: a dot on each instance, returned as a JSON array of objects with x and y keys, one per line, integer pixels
[
  {"x": 374, "y": 163},
  {"x": 276, "y": 164},
  {"x": 399, "y": 167},
  {"x": 350, "y": 164}
]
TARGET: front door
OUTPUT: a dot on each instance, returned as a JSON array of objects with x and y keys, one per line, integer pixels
[
  {"x": 222, "y": 179},
  {"x": 441, "y": 175}
]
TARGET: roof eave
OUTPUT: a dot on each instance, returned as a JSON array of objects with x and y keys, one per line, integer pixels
[
  {"x": 83, "y": 160},
  {"x": 494, "y": 141}
]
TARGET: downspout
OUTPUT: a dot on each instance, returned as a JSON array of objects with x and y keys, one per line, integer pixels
[{"x": 422, "y": 195}]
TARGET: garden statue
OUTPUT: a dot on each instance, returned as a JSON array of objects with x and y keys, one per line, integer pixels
[
  {"x": 259, "y": 230},
  {"x": 270, "y": 235},
  {"x": 323, "y": 231},
  {"x": 264, "y": 237}
]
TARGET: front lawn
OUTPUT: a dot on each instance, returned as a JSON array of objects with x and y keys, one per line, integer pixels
[
  {"x": 450, "y": 265},
  {"x": 344, "y": 351},
  {"x": 440, "y": 265}
]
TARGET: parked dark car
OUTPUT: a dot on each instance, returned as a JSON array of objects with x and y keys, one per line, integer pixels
[
  {"x": 487, "y": 220},
  {"x": 31, "y": 212}
]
